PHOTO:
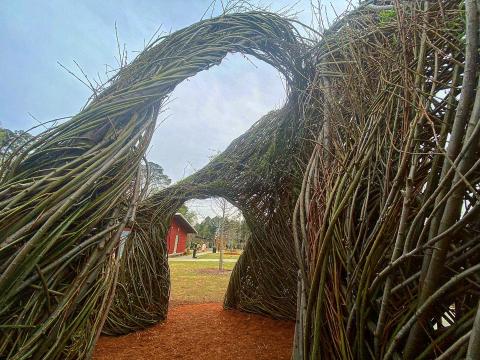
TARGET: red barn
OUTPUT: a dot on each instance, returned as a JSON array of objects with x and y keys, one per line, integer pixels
[{"x": 177, "y": 234}]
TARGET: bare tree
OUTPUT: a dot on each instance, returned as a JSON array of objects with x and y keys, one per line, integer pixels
[{"x": 224, "y": 210}]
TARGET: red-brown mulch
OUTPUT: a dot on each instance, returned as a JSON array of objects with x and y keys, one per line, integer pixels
[{"x": 201, "y": 332}]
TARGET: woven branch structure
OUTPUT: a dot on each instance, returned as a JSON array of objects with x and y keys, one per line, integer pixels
[
  {"x": 259, "y": 173},
  {"x": 66, "y": 198},
  {"x": 362, "y": 193},
  {"x": 387, "y": 223}
]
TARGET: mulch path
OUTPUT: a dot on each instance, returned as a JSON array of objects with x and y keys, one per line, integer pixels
[{"x": 201, "y": 332}]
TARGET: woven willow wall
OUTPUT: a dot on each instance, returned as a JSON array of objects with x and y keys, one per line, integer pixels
[{"x": 388, "y": 221}]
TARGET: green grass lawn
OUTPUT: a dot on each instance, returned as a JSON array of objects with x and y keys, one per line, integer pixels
[
  {"x": 216, "y": 256},
  {"x": 198, "y": 282}
]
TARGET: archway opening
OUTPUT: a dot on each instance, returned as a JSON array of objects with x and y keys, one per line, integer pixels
[
  {"x": 204, "y": 242},
  {"x": 207, "y": 112}
]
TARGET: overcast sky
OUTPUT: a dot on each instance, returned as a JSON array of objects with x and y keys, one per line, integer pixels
[{"x": 206, "y": 112}]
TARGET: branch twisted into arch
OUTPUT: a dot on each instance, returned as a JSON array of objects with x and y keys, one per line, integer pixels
[{"x": 66, "y": 197}]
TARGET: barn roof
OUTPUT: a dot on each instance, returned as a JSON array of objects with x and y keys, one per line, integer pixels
[{"x": 184, "y": 223}]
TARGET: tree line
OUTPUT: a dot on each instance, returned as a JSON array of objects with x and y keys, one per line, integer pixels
[{"x": 235, "y": 231}]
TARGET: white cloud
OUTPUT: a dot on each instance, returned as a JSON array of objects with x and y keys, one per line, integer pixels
[{"x": 210, "y": 110}]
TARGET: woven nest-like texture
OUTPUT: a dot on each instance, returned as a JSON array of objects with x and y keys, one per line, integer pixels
[
  {"x": 66, "y": 197},
  {"x": 388, "y": 221},
  {"x": 260, "y": 173},
  {"x": 361, "y": 193}
]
